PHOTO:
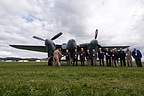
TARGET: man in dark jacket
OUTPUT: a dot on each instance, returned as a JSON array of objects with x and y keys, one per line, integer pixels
[
  {"x": 108, "y": 57},
  {"x": 68, "y": 58},
  {"x": 137, "y": 56},
  {"x": 101, "y": 56},
  {"x": 75, "y": 57},
  {"x": 122, "y": 57},
  {"x": 114, "y": 57}
]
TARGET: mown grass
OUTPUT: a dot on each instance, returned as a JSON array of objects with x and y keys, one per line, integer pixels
[{"x": 38, "y": 79}]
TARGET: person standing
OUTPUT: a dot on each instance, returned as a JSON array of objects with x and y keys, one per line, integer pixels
[
  {"x": 108, "y": 57},
  {"x": 137, "y": 56},
  {"x": 101, "y": 56},
  {"x": 68, "y": 58},
  {"x": 129, "y": 57},
  {"x": 94, "y": 57},
  {"x": 122, "y": 57},
  {"x": 88, "y": 57},
  {"x": 75, "y": 57},
  {"x": 56, "y": 57},
  {"x": 114, "y": 58},
  {"x": 82, "y": 56}
]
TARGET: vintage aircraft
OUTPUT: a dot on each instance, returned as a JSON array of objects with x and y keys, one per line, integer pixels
[
  {"x": 49, "y": 47},
  {"x": 71, "y": 45}
]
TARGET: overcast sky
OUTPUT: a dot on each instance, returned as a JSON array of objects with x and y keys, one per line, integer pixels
[{"x": 120, "y": 22}]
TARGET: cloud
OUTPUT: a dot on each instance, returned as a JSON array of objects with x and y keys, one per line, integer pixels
[{"x": 120, "y": 22}]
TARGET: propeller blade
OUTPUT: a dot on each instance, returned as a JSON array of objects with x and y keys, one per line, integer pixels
[
  {"x": 56, "y": 36},
  {"x": 38, "y": 38},
  {"x": 96, "y": 33}
]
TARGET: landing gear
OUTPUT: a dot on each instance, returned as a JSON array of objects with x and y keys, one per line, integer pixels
[{"x": 50, "y": 61}]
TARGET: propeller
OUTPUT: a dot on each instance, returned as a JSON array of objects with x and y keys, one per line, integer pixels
[
  {"x": 56, "y": 36},
  {"x": 38, "y": 38},
  {"x": 53, "y": 38},
  {"x": 96, "y": 33}
]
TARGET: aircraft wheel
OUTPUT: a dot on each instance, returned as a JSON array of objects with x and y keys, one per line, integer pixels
[{"x": 50, "y": 61}]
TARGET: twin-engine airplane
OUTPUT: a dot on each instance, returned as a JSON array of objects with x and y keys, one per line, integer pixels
[{"x": 71, "y": 45}]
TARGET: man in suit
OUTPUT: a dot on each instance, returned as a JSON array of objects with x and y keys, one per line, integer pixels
[
  {"x": 93, "y": 58},
  {"x": 129, "y": 57},
  {"x": 108, "y": 57},
  {"x": 137, "y": 56},
  {"x": 75, "y": 57},
  {"x": 122, "y": 57},
  {"x": 114, "y": 57},
  {"x": 101, "y": 56},
  {"x": 68, "y": 58}
]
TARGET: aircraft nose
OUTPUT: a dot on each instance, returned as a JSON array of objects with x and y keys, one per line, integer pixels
[
  {"x": 95, "y": 42},
  {"x": 72, "y": 40},
  {"x": 71, "y": 44}
]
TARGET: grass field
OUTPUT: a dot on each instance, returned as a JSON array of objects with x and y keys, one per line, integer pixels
[{"x": 38, "y": 79}]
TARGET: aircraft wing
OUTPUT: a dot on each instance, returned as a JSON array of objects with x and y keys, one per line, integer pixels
[
  {"x": 85, "y": 45},
  {"x": 118, "y": 47},
  {"x": 33, "y": 48}
]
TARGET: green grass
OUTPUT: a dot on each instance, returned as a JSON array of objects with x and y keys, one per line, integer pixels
[{"x": 38, "y": 79}]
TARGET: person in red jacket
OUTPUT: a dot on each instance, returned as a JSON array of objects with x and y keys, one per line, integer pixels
[{"x": 82, "y": 57}]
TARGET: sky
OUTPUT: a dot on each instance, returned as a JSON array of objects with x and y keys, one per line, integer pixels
[{"x": 120, "y": 22}]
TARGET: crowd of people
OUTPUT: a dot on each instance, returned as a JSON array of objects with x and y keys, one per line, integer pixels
[{"x": 111, "y": 56}]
